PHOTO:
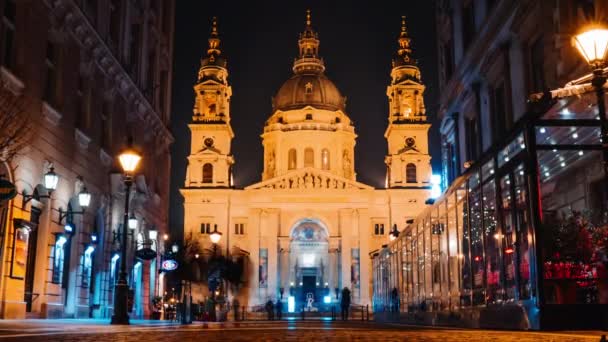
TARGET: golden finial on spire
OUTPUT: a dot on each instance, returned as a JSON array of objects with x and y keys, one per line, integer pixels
[
  {"x": 214, "y": 26},
  {"x": 214, "y": 40},
  {"x": 405, "y": 50},
  {"x": 308, "y": 22}
]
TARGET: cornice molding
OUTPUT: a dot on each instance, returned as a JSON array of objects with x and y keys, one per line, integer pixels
[{"x": 74, "y": 21}]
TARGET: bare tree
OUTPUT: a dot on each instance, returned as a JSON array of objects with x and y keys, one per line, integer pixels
[{"x": 15, "y": 123}]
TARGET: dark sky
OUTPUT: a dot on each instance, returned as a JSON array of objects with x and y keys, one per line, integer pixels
[{"x": 259, "y": 39}]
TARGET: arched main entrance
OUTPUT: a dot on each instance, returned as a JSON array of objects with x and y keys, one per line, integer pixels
[{"x": 309, "y": 271}]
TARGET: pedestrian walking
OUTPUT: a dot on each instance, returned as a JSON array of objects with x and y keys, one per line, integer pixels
[
  {"x": 269, "y": 309},
  {"x": 345, "y": 303},
  {"x": 279, "y": 309}
]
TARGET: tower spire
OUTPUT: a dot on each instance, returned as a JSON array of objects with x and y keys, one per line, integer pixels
[
  {"x": 308, "y": 60},
  {"x": 214, "y": 40},
  {"x": 404, "y": 53},
  {"x": 308, "y": 22},
  {"x": 213, "y": 60}
]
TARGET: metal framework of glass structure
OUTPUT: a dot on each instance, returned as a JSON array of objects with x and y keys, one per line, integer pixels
[{"x": 519, "y": 241}]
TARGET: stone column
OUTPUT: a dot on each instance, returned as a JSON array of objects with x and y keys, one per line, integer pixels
[{"x": 345, "y": 246}]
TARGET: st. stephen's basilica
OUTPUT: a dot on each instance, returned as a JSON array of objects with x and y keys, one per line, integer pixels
[{"x": 308, "y": 226}]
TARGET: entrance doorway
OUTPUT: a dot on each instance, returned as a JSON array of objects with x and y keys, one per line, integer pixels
[
  {"x": 30, "y": 269},
  {"x": 309, "y": 266},
  {"x": 309, "y": 288}
]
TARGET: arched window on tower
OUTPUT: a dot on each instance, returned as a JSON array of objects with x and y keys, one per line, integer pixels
[
  {"x": 410, "y": 173},
  {"x": 292, "y": 159},
  {"x": 309, "y": 157},
  {"x": 325, "y": 159},
  {"x": 208, "y": 173}
]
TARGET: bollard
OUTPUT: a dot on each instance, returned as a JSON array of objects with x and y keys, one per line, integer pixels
[
  {"x": 362, "y": 317},
  {"x": 367, "y": 312},
  {"x": 303, "y": 314},
  {"x": 243, "y": 313}
]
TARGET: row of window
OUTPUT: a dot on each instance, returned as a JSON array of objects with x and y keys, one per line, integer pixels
[
  {"x": 309, "y": 158},
  {"x": 55, "y": 62},
  {"x": 208, "y": 228}
]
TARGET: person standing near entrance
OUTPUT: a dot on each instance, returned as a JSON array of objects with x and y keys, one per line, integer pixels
[
  {"x": 269, "y": 310},
  {"x": 345, "y": 303},
  {"x": 279, "y": 309}
]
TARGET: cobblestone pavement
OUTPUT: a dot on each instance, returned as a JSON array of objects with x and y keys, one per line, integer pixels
[{"x": 73, "y": 330}]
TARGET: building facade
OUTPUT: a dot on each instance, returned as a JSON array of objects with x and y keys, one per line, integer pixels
[
  {"x": 517, "y": 240},
  {"x": 308, "y": 226},
  {"x": 88, "y": 74}
]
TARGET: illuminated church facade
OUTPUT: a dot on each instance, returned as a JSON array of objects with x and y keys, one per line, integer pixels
[{"x": 308, "y": 226}]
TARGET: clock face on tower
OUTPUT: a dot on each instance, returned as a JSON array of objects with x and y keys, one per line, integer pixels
[
  {"x": 410, "y": 142},
  {"x": 208, "y": 142}
]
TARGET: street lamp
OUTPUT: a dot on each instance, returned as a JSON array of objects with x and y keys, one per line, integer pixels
[
  {"x": 50, "y": 183},
  {"x": 215, "y": 235},
  {"x": 132, "y": 221},
  {"x": 129, "y": 159},
  {"x": 84, "y": 197},
  {"x": 593, "y": 46},
  {"x": 50, "y": 180},
  {"x": 394, "y": 233}
]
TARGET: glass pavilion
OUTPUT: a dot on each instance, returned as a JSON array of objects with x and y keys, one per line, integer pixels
[{"x": 520, "y": 240}]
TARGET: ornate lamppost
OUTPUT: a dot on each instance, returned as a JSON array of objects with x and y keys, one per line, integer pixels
[
  {"x": 593, "y": 46},
  {"x": 394, "y": 234},
  {"x": 129, "y": 159},
  {"x": 215, "y": 238}
]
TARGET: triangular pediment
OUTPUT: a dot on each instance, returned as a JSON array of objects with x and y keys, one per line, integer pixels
[
  {"x": 309, "y": 178},
  {"x": 207, "y": 150},
  {"x": 409, "y": 82}
]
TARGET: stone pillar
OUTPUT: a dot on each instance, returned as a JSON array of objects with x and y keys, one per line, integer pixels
[
  {"x": 255, "y": 293},
  {"x": 345, "y": 246},
  {"x": 365, "y": 263},
  {"x": 269, "y": 234}
]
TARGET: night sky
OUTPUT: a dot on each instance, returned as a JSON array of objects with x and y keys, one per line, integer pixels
[{"x": 259, "y": 40}]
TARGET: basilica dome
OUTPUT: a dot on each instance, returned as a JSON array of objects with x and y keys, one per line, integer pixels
[{"x": 313, "y": 89}]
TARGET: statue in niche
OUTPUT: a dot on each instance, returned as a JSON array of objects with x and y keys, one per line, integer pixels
[
  {"x": 300, "y": 183},
  {"x": 308, "y": 181},
  {"x": 271, "y": 164},
  {"x": 334, "y": 184},
  {"x": 210, "y": 103},
  {"x": 346, "y": 163}
]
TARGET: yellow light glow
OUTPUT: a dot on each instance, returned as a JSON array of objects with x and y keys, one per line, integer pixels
[
  {"x": 129, "y": 159},
  {"x": 593, "y": 45},
  {"x": 215, "y": 237}
]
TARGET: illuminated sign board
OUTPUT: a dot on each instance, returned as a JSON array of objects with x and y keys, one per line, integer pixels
[{"x": 169, "y": 265}]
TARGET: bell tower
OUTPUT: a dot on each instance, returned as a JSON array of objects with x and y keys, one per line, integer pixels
[
  {"x": 210, "y": 161},
  {"x": 408, "y": 160}
]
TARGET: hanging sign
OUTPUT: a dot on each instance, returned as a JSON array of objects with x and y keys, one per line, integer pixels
[
  {"x": 169, "y": 265},
  {"x": 7, "y": 190},
  {"x": 145, "y": 253}
]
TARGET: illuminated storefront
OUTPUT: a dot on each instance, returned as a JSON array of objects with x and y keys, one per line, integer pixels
[{"x": 519, "y": 241}]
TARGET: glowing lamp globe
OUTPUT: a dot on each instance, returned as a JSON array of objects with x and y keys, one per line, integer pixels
[
  {"x": 593, "y": 46},
  {"x": 215, "y": 236},
  {"x": 152, "y": 234},
  {"x": 84, "y": 198},
  {"x": 50, "y": 180},
  {"x": 132, "y": 222},
  {"x": 129, "y": 159}
]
